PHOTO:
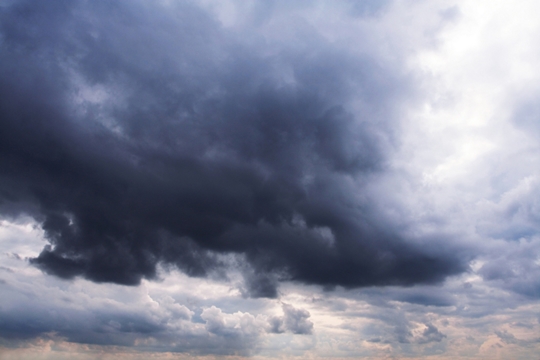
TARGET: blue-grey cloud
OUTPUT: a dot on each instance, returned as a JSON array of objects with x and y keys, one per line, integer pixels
[
  {"x": 293, "y": 320},
  {"x": 138, "y": 134}
]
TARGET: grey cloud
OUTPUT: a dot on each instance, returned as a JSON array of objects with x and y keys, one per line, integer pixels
[
  {"x": 404, "y": 333},
  {"x": 140, "y": 134},
  {"x": 260, "y": 285},
  {"x": 509, "y": 338},
  {"x": 516, "y": 214},
  {"x": 420, "y": 295},
  {"x": 506, "y": 337},
  {"x": 293, "y": 320},
  {"x": 527, "y": 114},
  {"x": 157, "y": 324},
  {"x": 29, "y": 320},
  {"x": 368, "y": 7},
  {"x": 512, "y": 260},
  {"x": 276, "y": 325},
  {"x": 431, "y": 334},
  {"x": 515, "y": 267},
  {"x": 233, "y": 328},
  {"x": 428, "y": 300},
  {"x": 4, "y": 268},
  {"x": 427, "y": 296}
]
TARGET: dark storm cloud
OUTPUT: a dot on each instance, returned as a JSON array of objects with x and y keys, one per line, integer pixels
[{"x": 140, "y": 134}]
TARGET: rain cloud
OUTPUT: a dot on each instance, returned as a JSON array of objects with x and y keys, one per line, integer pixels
[{"x": 140, "y": 134}]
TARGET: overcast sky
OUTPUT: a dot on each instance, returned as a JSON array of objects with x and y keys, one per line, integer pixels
[{"x": 269, "y": 179}]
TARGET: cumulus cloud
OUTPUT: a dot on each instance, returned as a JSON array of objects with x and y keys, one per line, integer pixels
[
  {"x": 245, "y": 325},
  {"x": 430, "y": 334},
  {"x": 293, "y": 320},
  {"x": 142, "y": 133},
  {"x": 135, "y": 317}
]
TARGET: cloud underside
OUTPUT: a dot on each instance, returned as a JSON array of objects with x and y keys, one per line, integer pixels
[{"x": 139, "y": 135}]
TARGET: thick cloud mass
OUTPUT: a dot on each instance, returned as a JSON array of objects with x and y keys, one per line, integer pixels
[{"x": 140, "y": 134}]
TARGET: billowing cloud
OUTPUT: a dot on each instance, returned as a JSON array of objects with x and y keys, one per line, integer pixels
[
  {"x": 142, "y": 134},
  {"x": 294, "y": 320},
  {"x": 144, "y": 318},
  {"x": 277, "y": 179}
]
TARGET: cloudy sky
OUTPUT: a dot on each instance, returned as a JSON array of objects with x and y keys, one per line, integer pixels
[{"x": 274, "y": 179}]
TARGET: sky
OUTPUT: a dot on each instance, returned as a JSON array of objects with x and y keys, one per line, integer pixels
[{"x": 274, "y": 179}]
